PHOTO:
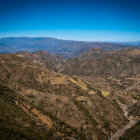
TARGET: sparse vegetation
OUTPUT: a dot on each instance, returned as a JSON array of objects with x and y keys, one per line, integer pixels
[
  {"x": 30, "y": 96},
  {"x": 77, "y": 107}
]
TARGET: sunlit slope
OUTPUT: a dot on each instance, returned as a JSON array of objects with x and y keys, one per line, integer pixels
[{"x": 72, "y": 102}]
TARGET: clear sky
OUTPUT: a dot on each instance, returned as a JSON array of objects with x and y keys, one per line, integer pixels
[{"x": 91, "y": 20}]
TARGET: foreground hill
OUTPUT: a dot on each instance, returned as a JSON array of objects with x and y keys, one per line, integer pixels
[
  {"x": 15, "y": 123},
  {"x": 60, "y": 106},
  {"x": 64, "y": 48}
]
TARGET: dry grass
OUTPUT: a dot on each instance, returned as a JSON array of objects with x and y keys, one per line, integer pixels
[
  {"x": 135, "y": 52},
  {"x": 79, "y": 83},
  {"x": 45, "y": 119},
  {"x": 91, "y": 92},
  {"x": 58, "y": 80},
  {"x": 105, "y": 93}
]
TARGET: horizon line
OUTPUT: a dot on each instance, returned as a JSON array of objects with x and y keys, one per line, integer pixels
[{"x": 68, "y": 39}]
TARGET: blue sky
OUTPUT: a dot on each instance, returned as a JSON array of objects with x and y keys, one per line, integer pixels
[{"x": 91, "y": 20}]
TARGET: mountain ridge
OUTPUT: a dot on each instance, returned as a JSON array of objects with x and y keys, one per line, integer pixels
[{"x": 66, "y": 48}]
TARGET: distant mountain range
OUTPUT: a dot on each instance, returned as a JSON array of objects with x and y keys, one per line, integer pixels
[
  {"x": 134, "y": 43},
  {"x": 64, "y": 48}
]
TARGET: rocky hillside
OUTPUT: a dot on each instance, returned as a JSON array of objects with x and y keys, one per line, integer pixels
[
  {"x": 63, "y": 106},
  {"x": 97, "y": 63},
  {"x": 120, "y": 69},
  {"x": 18, "y": 123},
  {"x": 44, "y": 58},
  {"x": 134, "y": 110},
  {"x": 133, "y": 133}
]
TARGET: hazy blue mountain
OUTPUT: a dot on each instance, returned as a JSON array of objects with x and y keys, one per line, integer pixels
[
  {"x": 65, "y": 48},
  {"x": 133, "y": 43}
]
